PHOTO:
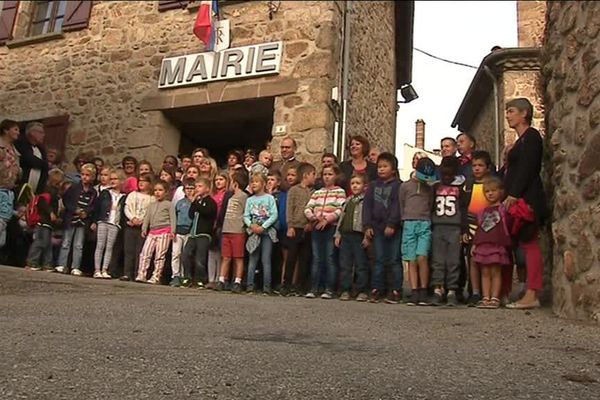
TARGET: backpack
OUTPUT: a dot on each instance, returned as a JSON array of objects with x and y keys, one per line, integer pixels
[{"x": 32, "y": 214}]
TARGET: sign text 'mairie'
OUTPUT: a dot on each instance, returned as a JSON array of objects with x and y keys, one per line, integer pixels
[{"x": 236, "y": 63}]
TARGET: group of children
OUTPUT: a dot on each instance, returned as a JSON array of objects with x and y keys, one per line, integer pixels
[{"x": 214, "y": 230}]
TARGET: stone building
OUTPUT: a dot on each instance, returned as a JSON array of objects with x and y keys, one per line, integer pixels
[
  {"x": 572, "y": 87},
  {"x": 129, "y": 77}
]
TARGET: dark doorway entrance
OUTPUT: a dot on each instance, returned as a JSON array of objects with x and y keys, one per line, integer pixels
[{"x": 221, "y": 127}]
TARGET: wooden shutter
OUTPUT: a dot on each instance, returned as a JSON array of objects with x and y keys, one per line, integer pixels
[
  {"x": 77, "y": 15},
  {"x": 56, "y": 132},
  {"x": 8, "y": 16},
  {"x": 171, "y": 4}
]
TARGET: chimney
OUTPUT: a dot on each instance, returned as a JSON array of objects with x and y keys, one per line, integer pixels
[{"x": 420, "y": 134}]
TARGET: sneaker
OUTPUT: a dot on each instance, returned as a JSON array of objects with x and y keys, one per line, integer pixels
[
  {"x": 413, "y": 299},
  {"x": 362, "y": 297},
  {"x": 141, "y": 280},
  {"x": 33, "y": 268},
  {"x": 76, "y": 272},
  {"x": 452, "y": 300},
  {"x": 438, "y": 300},
  {"x": 221, "y": 286},
  {"x": 200, "y": 285},
  {"x": 175, "y": 282},
  {"x": 394, "y": 297},
  {"x": 474, "y": 300},
  {"x": 250, "y": 289},
  {"x": 125, "y": 278},
  {"x": 375, "y": 296},
  {"x": 310, "y": 295},
  {"x": 327, "y": 295},
  {"x": 345, "y": 296},
  {"x": 97, "y": 275},
  {"x": 106, "y": 275},
  {"x": 47, "y": 268},
  {"x": 154, "y": 281},
  {"x": 424, "y": 299},
  {"x": 236, "y": 288},
  {"x": 186, "y": 282},
  {"x": 60, "y": 270}
]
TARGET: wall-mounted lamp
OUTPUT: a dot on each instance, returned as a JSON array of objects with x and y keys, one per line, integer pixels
[{"x": 408, "y": 93}]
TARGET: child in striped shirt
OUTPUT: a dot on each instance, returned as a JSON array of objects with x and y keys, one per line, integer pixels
[{"x": 323, "y": 210}]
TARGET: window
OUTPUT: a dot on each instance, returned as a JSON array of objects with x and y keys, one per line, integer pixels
[{"x": 47, "y": 17}]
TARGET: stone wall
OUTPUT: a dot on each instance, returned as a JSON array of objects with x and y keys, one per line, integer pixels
[
  {"x": 572, "y": 83},
  {"x": 483, "y": 127},
  {"x": 372, "y": 105},
  {"x": 531, "y": 16},
  {"x": 100, "y": 76}
]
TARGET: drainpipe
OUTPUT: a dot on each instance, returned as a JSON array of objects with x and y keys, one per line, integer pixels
[
  {"x": 345, "y": 75},
  {"x": 489, "y": 73}
]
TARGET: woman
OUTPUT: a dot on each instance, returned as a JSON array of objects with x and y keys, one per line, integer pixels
[
  {"x": 198, "y": 155},
  {"x": 9, "y": 173},
  {"x": 522, "y": 181},
  {"x": 359, "y": 162}
]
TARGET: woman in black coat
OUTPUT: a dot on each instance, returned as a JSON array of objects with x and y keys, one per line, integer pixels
[
  {"x": 522, "y": 181},
  {"x": 359, "y": 161}
]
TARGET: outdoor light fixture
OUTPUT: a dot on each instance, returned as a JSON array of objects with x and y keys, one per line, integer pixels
[{"x": 408, "y": 93}]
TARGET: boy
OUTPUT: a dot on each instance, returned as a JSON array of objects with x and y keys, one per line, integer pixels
[
  {"x": 234, "y": 233},
  {"x": 203, "y": 212},
  {"x": 40, "y": 252},
  {"x": 481, "y": 164},
  {"x": 299, "y": 228},
  {"x": 449, "y": 221},
  {"x": 415, "y": 208},
  {"x": 273, "y": 188},
  {"x": 182, "y": 229},
  {"x": 79, "y": 203},
  {"x": 381, "y": 221}
]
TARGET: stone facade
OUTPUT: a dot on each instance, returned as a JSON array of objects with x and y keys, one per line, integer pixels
[
  {"x": 105, "y": 77},
  {"x": 531, "y": 16},
  {"x": 572, "y": 86}
]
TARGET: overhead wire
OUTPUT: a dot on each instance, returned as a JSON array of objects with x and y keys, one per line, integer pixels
[{"x": 444, "y": 60}]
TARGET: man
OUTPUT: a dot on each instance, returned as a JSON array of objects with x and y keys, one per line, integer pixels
[
  {"x": 448, "y": 146},
  {"x": 374, "y": 154},
  {"x": 288, "y": 160},
  {"x": 466, "y": 144},
  {"x": 34, "y": 161}
]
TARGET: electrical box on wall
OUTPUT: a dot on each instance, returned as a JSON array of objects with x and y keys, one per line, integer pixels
[
  {"x": 280, "y": 129},
  {"x": 335, "y": 95}
]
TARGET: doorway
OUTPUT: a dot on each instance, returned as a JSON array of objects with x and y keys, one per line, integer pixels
[{"x": 221, "y": 127}]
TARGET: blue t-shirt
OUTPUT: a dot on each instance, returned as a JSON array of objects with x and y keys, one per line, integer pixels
[{"x": 260, "y": 210}]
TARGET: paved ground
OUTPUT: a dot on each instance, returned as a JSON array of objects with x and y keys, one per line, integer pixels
[{"x": 75, "y": 338}]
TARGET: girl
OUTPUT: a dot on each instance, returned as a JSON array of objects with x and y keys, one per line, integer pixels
[
  {"x": 323, "y": 210},
  {"x": 107, "y": 224},
  {"x": 167, "y": 174},
  {"x": 208, "y": 169},
  {"x": 260, "y": 215},
  {"x": 193, "y": 172},
  {"x": 145, "y": 168},
  {"x": 491, "y": 243},
  {"x": 220, "y": 185},
  {"x": 104, "y": 181},
  {"x": 136, "y": 206},
  {"x": 170, "y": 161},
  {"x": 158, "y": 229}
]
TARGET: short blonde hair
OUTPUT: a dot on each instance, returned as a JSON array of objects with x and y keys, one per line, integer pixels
[
  {"x": 89, "y": 167},
  {"x": 57, "y": 174}
]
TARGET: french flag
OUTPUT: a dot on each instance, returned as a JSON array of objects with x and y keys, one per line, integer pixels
[{"x": 204, "y": 27}]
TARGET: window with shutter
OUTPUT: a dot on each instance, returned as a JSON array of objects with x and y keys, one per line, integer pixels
[
  {"x": 8, "y": 15},
  {"x": 77, "y": 15},
  {"x": 47, "y": 17},
  {"x": 171, "y": 4}
]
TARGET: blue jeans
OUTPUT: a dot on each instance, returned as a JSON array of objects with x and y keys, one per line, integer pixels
[
  {"x": 387, "y": 254},
  {"x": 353, "y": 254},
  {"x": 323, "y": 260},
  {"x": 73, "y": 236},
  {"x": 40, "y": 252},
  {"x": 263, "y": 253}
]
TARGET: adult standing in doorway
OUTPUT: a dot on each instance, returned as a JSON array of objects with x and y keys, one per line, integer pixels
[
  {"x": 523, "y": 181},
  {"x": 34, "y": 161},
  {"x": 466, "y": 146},
  {"x": 448, "y": 147},
  {"x": 288, "y": 160},
  {"x": 359, "y": 162}
]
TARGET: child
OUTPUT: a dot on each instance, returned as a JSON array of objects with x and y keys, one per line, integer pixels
[
  {"x": 167, "y": 174},
  {"x": 107, "y": 224},
  {"x": 186, "y": 161},
  {"x": 491, "y": 243},
  {"x": 182, "y": 229},
  {"x": 104, "y": 181},
  {"x": 203, "y": 212},
  {"x": 192, "y": 172},
  {"x": 220, "y": 185},
  {"x": 158, "y": 229},
  {"x": 40, "y": 252},
  {"x": 145, "y": 168},
  {"x": 381, "y": 221},
  {"x": 79, "y": 203},
  {"x": 415, "y": 208},
  {"x": 273, "y": 188},
  {"x": 298, "y": 232},
  {"x": 327, "y": 160},
  {"x": 350, "y": 239},
  {"x": 260, "y": 216},
  {"x": 323, "y": 210},
  {"x": 480, "y": 164},
  {"x": 265, "y": 159},
  {"x": 449, "y": 221},
  {"x": 135, "y": 209}
]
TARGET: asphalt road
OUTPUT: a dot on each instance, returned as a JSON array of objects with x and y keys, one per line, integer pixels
[{"x": 64, "y": 337}]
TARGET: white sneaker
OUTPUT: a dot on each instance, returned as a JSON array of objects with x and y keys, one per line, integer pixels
[
  {"x": 106, "y": 275},
  {"x": 76, "y": 272},
  {"x": 327, "y": 295},
  {"x": 34, "y": 268},
  {"x": 153, "y": 281},
  {"x": 97, "y": 275},
  {"x": 310, "y": 295},
  {"x": 137, "y": 279},
  {"x": 60, "y": 270}
]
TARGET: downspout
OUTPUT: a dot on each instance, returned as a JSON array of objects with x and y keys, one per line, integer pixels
[
  {"x": 489, "y": 73},
  {"x": 345, "y": 76}
]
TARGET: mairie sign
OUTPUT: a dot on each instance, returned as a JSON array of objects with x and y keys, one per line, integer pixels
[{"x": 236, "y": 63}]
